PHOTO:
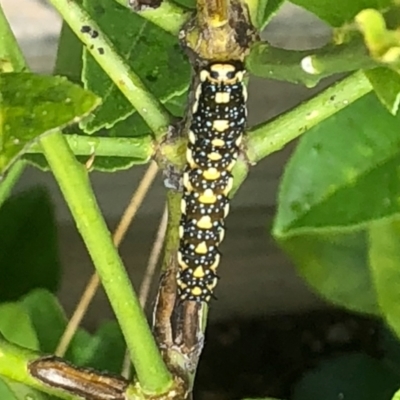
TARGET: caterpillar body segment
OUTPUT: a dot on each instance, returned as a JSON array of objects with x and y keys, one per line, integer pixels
[{"x": 218, "y": 121}]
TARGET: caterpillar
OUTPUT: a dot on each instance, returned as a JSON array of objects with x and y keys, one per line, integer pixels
[{"x": 216, "y": 129}]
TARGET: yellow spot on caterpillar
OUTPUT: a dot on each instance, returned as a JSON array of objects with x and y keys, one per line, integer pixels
[
  {"x": 212, "y": 285},
  {"x": 239, "y": 75},
  {"x": 186, "y": 182},
  {"x": 223, "y": 71},
  {"x": 226, "y": 210},
  {"x": 218, "y": 142},
  {"x": 195, "y": 106},
  {"x": 214, "y": 156},
  {"x": 196, "y": 101},
  {"x": 182, "y": 263},
  {"x": 221, "y": 235},
  {"x": 204, "y": 222},
  {"x": 228, "y": 187},
  {"x": 192, "y": 137},
  {"x": 221, "y": 125},
  {"x": 230, "y": 166},
  {"x": 189, "y": 158},
  {"x": 196, "y": 291},
  {"x": 201, "y": 248},
  {"x": 204, "y": 74},
  {"x": 222, "y": 97},
  {"x": 183, "y": 206},
  {"x": 214, "y": 265},
  {"x": 198, "y": 272},
  {"x": 181, "y": 232},
  {"x": 198, "y": 92},
  {"x": 181, "y": 284},
  {"x": 244, "y": 92},
  {"x": 211, "y": 174},
  {"x": 208, "y": 197},
  {"x": 238, "y": 141}
]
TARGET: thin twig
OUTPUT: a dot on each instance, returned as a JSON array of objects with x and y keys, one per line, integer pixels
[
  {"x": 153, "y": 259},
  {"x": 118, "y": 236},
  {"x": 148, "y": 277}
]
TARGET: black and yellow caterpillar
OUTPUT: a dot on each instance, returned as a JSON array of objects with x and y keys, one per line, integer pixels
[{"x": 218, "y": 122}]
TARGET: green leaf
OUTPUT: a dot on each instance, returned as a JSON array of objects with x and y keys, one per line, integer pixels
[
  {"x": 28, "y": 245},
  {"x": 335, "y": 265},
  {"x": 23, "y": 392},
  {"x": 355, "y": 376},
  {"x": 342, "y": 176},
  {"x": 13, "y": 315},
  {"x": 31, "y": 105},
  {"x": 49, "y": 321},
  {"x": 106, "y": 349},
  {"x": 16, "y": 327},
  {"x": 266, "y": 10},
  {"x": 332, "y": 177},
  {"x": 47, "y": 317},
  {"x": 267, "y": 61},
  {"x": 69, "y": 55},
  {"x": 161, "y": 65},
  {"x": 386, "y": 84},
  {"x": 5, "y": 391},
  {"x": 338, "y": 12},
  {"x": 385, "y": 268},
  {"x": 133, "y": 126}
]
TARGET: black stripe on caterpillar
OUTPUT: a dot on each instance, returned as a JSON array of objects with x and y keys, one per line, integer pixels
[{"x": 218, "y": 122}]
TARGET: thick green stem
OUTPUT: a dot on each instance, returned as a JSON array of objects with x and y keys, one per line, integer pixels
[
  {"x": 149, "y": 107},
  {"x": 274, "y": 135},
  {"x": 11, "y": 179},
  {"x": 169, "y": 16},
  {"x": 141, "y": 149},
  {"x": 75, "y": 186}
]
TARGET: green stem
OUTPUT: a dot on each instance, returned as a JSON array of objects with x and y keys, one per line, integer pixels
[
  {"x": 13, "y": 365},
  {"x": 75, "y": 186},
  {"x": 11, "y": 179},
  {"x": 11, "y": 58},
  {"x": 253, "y": 6},
  {"x": 272, "y": 136},
  {"x": 9, "y": 49},
  {"x": 141, "y": 149},
  {"x": 169, "y": 16},
  {"x": 149, "y": 107}
]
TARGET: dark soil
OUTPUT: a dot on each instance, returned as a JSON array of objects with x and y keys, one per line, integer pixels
[{"x": 267, "y": 357}]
